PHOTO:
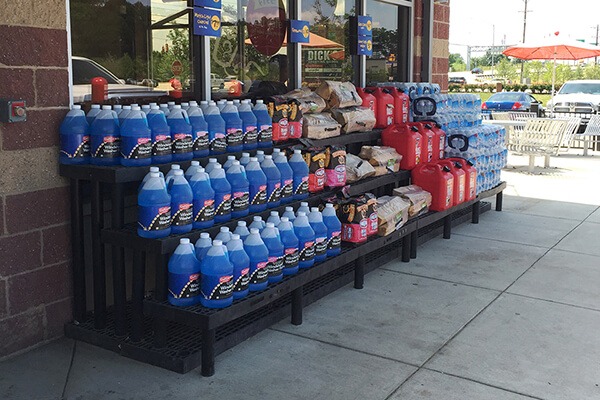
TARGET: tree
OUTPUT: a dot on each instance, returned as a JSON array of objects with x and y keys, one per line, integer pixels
[
  {"x": 505, "y": 69},
  {"x": 456, "y": 62}
]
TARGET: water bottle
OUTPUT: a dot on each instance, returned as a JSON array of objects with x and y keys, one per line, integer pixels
[
  {"x": 95, "y": 110},
  {"x": 315, "y": 219},
  {"x": 274, "y": 218},
  {"x": 154, "y": 208},
  {"x": 222, "y": 188},
  {"x": 204, "y": 200},
  {"x": 241, "y": 266},
  {"x": 264, "y": 125},
  {"x": 287, "y": 178},
  {"x": 242, "y": 230},
  {"x": 260, "y": 156},
  {"x": 123, "y": 114},
  {"x": 334, "y": 230},
  {"x": 192, "y": 169},
  {"x": 245, "y": 159},
  {"x": 171, "y": 173},
  {"x": 257, "y": 223},
  {"x": 162, "y": 145},
  {"x": 289, "y": 214},
  {"x": 136, "y": 140},
  {"x": 300, "y": 171},
  {"x": 216, "y": 130},
  {"x": 74, "y": 138},
  {"x": 276, "y": 251},
  {"x": 229, "y": 162},
  {"x": 258, "y": 186},
  {"x": 306, "y": 241},
  {"x": 200, "y": 147},
  {"x": 303, "y": 208},
  {"x": 184, "y": 275},
  {"x": 181, "y": 203},
  {"x": 181, "y": 132},
  {"x": 290, "y": 245},
  {"x": 212, "y": 163},
  {"x": 105, "y": 139},
  {"x": 202, "y": 245},
  {"x": 233, "y": 128},
  {"x": 273, "y": 182},
  {"x": 216, "y": 278},
  {"x": 249, "y": 126},
  {"x": 240, "y": 190},
  {"x": 259, "y": 256}
]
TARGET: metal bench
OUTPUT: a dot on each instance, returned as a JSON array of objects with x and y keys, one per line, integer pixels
[
  {"x": 539, "y": 137},
  {"x": 521, "y": 116},
  {"x": 500, "y": 116},
  {"x": 571, "y": 128},
  {"x": 591, "y": 133}
]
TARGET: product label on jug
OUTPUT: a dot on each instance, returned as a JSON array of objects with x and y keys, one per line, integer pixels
[
  {"x": 223, "y": 203},
  {"x": 182, "y": 143},
  {"x": 418, "y": 149},
  {"x": 307, "y": 252},
  {"x": 429, "y": 148},
  {"x": 240, "y": 201},
  {"x": 389, "y": 112},
  {"x": 449, "y": 191},
  {"x": 287, "y": 190},
  {"x": 302, "y": 187},
  {"x": 242, "y": 282},
  {"x": 335, "y": 241},
  {"x": 75, "y": 146},
  {"x": 321, "y": 246},
  {"x": 291, "y": 258},
  {"x": 217, "y": 287},
  {"x": 184, "y": 286},
  {"x": 235, "y": 137},
  {"x": 251, "y": 135},
  {"x": 106, "y": 146},
  {"x": 259, "y": 272},
  {"x": 201, "y": 142},
  {"x": 218, "y": 144},
  {"x": 373, "y": 223},
  {"x": 204, "y": 210},
  {"x": 135, "y": 148},
  {"x": 162, "y": 145},
  {"x": 473, "y": 185},
  {"x": 154, "y": 218},
  {"x": 182, "y": 215},
  {"x": 442, "y": 146},
  {"x": 461, "y": 188},
  {"x": 275, "y": 266},
  {"x": 265, "y": 134},
  {"x": 274, "y": 192},
  {"x": 258, "y": 194}
]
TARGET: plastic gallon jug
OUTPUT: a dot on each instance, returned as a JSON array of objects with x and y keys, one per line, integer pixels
[
  {"x": 216, "y": 281},
  {"x": 145, "y": 108},
  {"x": 300, "y": 175},
  {"x": 368, "y": 100},
  {"x": 315, "y": 219},
  {"x": 94, "y": 110},
  {"x": 274, "y": 218},
  {"x": 258, "y": 186},
  {"x": 216, "y": 130},
  {"x": 290, "y": 246},
  {"x": 471, "y": 177},
  {"x": 224, "y": 235},
  {"x": 136, "y": 140},
  {"x": 242, "y": 230},
  {"x": 438, "y": 181},
  {"x": 401, "y": 105},
  {"x": 154, "y": 208},
  {"x": 184, "y": 275},
  {"x": 439, "y": 142},
  {"x": 289, "y": 214},
  {"x": 162, "y": 144},
  {"x": 202, "y": 245},
  {"x": 287, "y": 178},
  {"x": 234, "y": 134},
  {"x": 222, "y": 188},
  {"x": 260, "y": 156},
  {"x": 200, "y": 147},
  {"x": 105, "y": 139},
  {"x": 241, "y": 266},
  {"x": 204, "y": 106},
  {"x": 171, "y": 105},
  {"x": 249, "y": 126},
  {"x": 163, "y": 107},
  {"x": 221, "y": 104},
  {"x": 124, "y": 113},
  {"x": 192, "y": 170},
  {"x": 259, "y": 257},
  {"x": 407, "y": 142},
  {"x": 384, "y": 114},
  {"x": 427, "y": 140},
  {"x": 270, "y": 237},
  {"x": 460, "y": 181},
  {"x": 245, "y": 159},
  {"x": 204, "y": 200},
  {"x": 212, "y": 163},
  {"x": 240, "y": 190},
  {"x": 148, "y": 175},
  {"x": 273, "y": 182},
  {"x": 303, "y": 208},
  {"x": 229, "y": 162},
  {"x": 181, "y": 133},
  {"x": 257, "y": 223},
  {"x": 264, "y": 125},
  {"x": 74, "y": 138},
  {"x": 306, "y": 241},
  {"x": 171, "y": 174},
  {"x": 334, "y": 230},
  {"x": 181, "y": 204}
]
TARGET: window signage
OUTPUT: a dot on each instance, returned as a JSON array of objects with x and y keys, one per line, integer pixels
[
  {"x": 299, "y": 31},
  {"x": 207, "y": 22},
  {"x": 208, "y": 3}
]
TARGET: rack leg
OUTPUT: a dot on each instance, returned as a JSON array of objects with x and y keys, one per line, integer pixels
[
  {"x": 359, "y": 272},
  {"x": 137, "y": 296},
  {"x": 160, "y": 294},
  {"x": 99, "y": 269},
  {"x": 118, "y": 256},
  {"x": 406, "y": 248},
  {"x": 414, "y": 238},
  {"x": 475, "y": 213},
  {"x": 447, "y": 226},
  {"x": 297, "y": 299},
  {"x": 77, "y": 248},
  {"x": 208, "y": 352},
  {"x": 499, "y": 198}
]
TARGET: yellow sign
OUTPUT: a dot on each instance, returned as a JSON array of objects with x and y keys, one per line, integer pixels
[
  {"x": 305, "y": 31},
  {"x": 369, "y": 45},
  {"x": 369, "y": 25},
  {"x": 215, "y": 22}
]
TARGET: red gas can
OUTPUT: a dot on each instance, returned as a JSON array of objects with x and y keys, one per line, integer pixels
[
  {"x": 471, "y": 180},
  {"x": 401, "y": 105},
  {"x": 439, "y": 142},
  {"x": 407, "y": 142},
  {"x": 368, "y": 99},
  {"x": 99, "y": 90},
  {"x": 438, "y": 181},
  {"x": 384, "y": 113},
  {"x": 427, "y": 140},
  {"x": 460, "y": 180}
]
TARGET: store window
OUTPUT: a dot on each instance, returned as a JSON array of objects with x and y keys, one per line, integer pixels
[{"x": 383, "y": 65}]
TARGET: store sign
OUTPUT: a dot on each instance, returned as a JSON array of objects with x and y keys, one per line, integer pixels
[
  {"x": 365, "y": 26},
  {"x": 361, "y": 35},
  {"x": 299, "y": 31},
  {"x": 208, "y": 3},
  {"x": 207, "y": 22},
  {"x": 365, "y": 46}
]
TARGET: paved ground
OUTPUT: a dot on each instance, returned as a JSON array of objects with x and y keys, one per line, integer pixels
[{"x": 508, "y": 309}]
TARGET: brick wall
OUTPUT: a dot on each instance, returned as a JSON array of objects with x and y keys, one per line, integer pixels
[{"x": 35, "y": 284}]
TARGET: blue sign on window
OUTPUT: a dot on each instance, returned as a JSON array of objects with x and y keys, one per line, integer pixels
[
  {"x": 208, "y": 3},
  {"x": 365, "y": 26},
  {"x": 299, "y": 31},
  {"x": 365, "y": 46},
  {"x": 207, "y": 22}
]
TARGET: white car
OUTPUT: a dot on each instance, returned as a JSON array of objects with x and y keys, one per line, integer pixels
[{"x": 580, "y": 98}]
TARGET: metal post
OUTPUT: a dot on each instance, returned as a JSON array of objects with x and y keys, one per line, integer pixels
[
  {"x": 294, "y": 50},
  {"x": 414, "y": 239},
  {"x": 297, "y": 299},
  {"x": 137, "y": 296},
  {"x": 99, "y": 269},
  {"x": 476, "y": 212},
  {"x": 77, "y": 249},
  {"x": 406, "y": 248},
  {"x": 118, "y": 256},
  {"x": 359, "y": 63},
  {"x": 201, "y": 65},
  {"x": 160, "y": 294},
  {"x": 447, "y": 226},
  {"x": 359, "y": 272},
  {"x": 208, "y": 352},
  {"x": 427, "y": 41},
  {"x": 499, "y": 198}
]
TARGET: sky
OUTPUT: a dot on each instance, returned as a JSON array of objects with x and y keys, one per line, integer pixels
[{"x": 472, "y": 22}]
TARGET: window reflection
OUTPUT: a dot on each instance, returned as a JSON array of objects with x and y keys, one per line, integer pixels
[{"x": 383, "y": 66}]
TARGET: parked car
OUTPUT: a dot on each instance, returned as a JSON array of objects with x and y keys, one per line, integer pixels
[
  {"x": 509, "y": 101},
  {"x": 577, "y": 98},
  {"x": 477, "y": 70},
  {"x": 457, "y": 80}
]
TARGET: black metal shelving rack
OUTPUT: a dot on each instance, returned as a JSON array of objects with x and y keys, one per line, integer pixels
[{"x": 144, "y": 326}]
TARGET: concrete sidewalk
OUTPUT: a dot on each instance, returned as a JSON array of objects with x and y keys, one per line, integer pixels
[{"x": 507, "y": 309}]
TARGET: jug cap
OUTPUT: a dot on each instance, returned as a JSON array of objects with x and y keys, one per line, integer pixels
[
  {"x": 205, "y": 235},
  {"x": 184, "y": 241},
  {"x": 224, "y": 229},
  {"x": 241, "y": 223},
  {"x": 217, "y": 242},
  {"x": 254, "y": 231},
  {"x": 257, "y": 218},
  {"x": 154, "y": 169},
  {"x": 235, "y": 236},
  {"x": 274, "y": 214},
  {"x": 175, "y": 166},
  {"x": 96, "y": 106},
  {"x": 195, "y": 163}
]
